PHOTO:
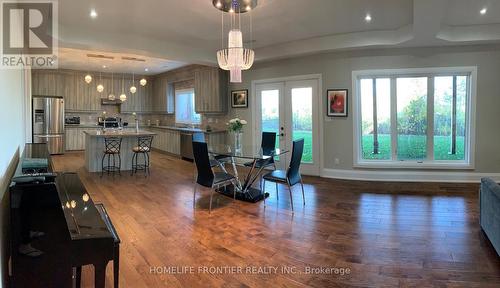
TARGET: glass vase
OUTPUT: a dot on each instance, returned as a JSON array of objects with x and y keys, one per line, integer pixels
[{"x": 237, "y": 141}]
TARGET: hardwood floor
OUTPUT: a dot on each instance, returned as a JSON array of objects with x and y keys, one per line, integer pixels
[{"x": 386, "y": 234}]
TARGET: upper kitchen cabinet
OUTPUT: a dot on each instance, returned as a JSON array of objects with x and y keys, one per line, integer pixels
[
  {"x": 46, "y": 83},
  {"x": 163, "y": 98},
  {"x": 210, "y": 88}
]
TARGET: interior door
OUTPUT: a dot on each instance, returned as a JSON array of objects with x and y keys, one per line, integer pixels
[{"x": 291, "y": 109}]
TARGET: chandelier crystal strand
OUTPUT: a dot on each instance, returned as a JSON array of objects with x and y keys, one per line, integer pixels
[{"x": 235, "y": 57}]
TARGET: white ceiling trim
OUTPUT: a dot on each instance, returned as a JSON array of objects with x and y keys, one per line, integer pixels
[{"x": 335, "y": 42}]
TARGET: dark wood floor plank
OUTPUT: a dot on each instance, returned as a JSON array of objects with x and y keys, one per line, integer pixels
[{"x": 386, "y": 234}]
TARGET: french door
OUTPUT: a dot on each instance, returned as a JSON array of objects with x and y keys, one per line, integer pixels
[{"x": 291, "y": 110}]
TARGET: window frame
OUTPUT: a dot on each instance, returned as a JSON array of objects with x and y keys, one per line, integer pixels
[
  {"x": 180, "y": 91},
  {"x": 430, "y": 73}
]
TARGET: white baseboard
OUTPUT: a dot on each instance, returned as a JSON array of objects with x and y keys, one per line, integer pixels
[{"x": 408, "y": 176}]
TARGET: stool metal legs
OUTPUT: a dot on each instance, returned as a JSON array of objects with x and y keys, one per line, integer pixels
[
  {"x": 136, "y": 166},
  {"x": 111, "y": 165}
]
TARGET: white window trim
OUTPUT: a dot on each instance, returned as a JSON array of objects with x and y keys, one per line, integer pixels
[
  {"x": 175, "y": 99},
  {"x": 468, "y": 163}
]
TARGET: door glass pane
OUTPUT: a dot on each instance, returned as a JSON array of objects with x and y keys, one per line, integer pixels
[
  {"x": 449, "y": 118},
  {"x": 270, "y": 103},
  {"x": 376, "y": 143},
  {"x": 302, "y": 120},
  {"x": 412, "y": 118}
]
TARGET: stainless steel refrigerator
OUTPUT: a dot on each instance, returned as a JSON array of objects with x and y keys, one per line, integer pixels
[{"x": 48, "y": 122}]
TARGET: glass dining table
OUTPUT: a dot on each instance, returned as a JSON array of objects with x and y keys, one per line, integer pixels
[{"x": 251, "y": 154}]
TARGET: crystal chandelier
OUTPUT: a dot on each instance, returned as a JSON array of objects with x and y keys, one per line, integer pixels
[{"x": 235, "y": 57}]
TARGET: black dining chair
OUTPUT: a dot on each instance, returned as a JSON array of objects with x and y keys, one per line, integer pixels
[
  {"x": 206, "y": 176},
  {"x": 268, "y": 146},
  {"x": 217, "y": 160},
  {"x": 292, "y": 175}
]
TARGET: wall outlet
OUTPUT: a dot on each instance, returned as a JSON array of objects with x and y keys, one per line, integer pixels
[{"x": 336, "y": 161}]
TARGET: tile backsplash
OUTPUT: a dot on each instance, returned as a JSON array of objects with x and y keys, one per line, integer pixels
[{"x": 217, "y": 122}]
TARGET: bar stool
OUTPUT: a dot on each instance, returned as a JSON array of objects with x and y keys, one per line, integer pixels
[
  {"x": 143, "y": 147},
  {"x": 112, "y": 146}
]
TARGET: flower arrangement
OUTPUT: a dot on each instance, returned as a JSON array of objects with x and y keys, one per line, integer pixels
[{"x": 236, "y": 125}]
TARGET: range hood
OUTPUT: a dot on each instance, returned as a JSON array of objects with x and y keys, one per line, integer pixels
[{"x": 106, "y": 101}]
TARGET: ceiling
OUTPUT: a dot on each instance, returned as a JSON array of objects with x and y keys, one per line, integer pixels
[
  {"x": 190, "y": 31},
  {"x": 78, "y": 59}
]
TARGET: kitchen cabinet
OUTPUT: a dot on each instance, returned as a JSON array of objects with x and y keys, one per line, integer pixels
[
  {"x": 216, "y": 138},
  {"x": 166, "y": 140},
  {"x": 142, "y": 100},
  {"x": 86, "y": 94},
  {"x": 211, "y": 90},
  {"x": 81, "y": 96},
  {"x": 75, "y": 138},
  {"x": 45, "y": 83},
  {"x": 163, "y": 96}
]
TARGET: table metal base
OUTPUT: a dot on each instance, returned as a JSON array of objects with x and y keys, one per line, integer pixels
[{"x": 253, "y": 195}]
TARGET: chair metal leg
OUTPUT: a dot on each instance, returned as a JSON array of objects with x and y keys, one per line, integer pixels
[
  {"x": 211, "y": 195},
  {"x": 109, "y": 163},
  {"x": 114, "y": 164},
  {"x": 194, "y": 194},
  {"x": 132, "y": 170},
  {"x": 290, "y": 190},
  {"x": 277, "y": 194},
  {"x": 303, "y": 197},
  {"x": 264, "y": 190},
  {"x": 102, "y": 164},
  {"x": 119, "y": 164},
  {"x": 234, "y": 190}
]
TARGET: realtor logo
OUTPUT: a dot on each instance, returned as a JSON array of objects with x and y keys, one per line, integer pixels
[{"x": 29, "y": 34}]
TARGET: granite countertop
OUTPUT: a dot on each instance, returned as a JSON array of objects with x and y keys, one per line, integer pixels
[
  {"x": 181, "y": 129},
  {"x": 121, "y": 133}
]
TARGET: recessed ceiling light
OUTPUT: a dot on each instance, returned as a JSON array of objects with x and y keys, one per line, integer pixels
[
  {"x": 93, "y": 14},
  {"x": 248, "y": 8},
  {"x": 218, "y": 5},
  {"x": 146, "y": 69},
  {"x": 368, "y": 18},
  {"x": 231, "y": 10},
  {"x": 483, "y": 11},
  {"x": 104, "y": 66}
]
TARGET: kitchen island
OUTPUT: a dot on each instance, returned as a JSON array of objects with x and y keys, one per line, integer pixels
[{"x": 94, "y": 147}]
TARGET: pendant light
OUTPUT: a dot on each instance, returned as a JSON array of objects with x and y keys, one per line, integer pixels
[
  {"x": 143, "y": 81},
  {"x": 88, "y": 78},
  {"x": 111, "y": 96},
  {"x": 123, "y": 96},
  {"x": 235, "y": 57},
  {"x": 133, "y": 89},
  {"x": 100, "y": 87}
]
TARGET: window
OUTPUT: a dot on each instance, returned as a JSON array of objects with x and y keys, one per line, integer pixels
[
  {"x": 184, "y": 107},
  {"x": 415, "y": 118}
]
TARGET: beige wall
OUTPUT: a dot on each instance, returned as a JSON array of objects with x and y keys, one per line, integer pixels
[
  {"x": 11, "y": 141},
  {"x": 336, "y": 70}
]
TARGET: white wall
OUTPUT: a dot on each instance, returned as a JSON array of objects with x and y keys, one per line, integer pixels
[
  {"x": 336, "y": 70},
  {"x": 12, "y": 138}
]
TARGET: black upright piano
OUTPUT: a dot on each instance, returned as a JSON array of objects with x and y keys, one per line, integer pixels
[{"x": 77, "y": 231}]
